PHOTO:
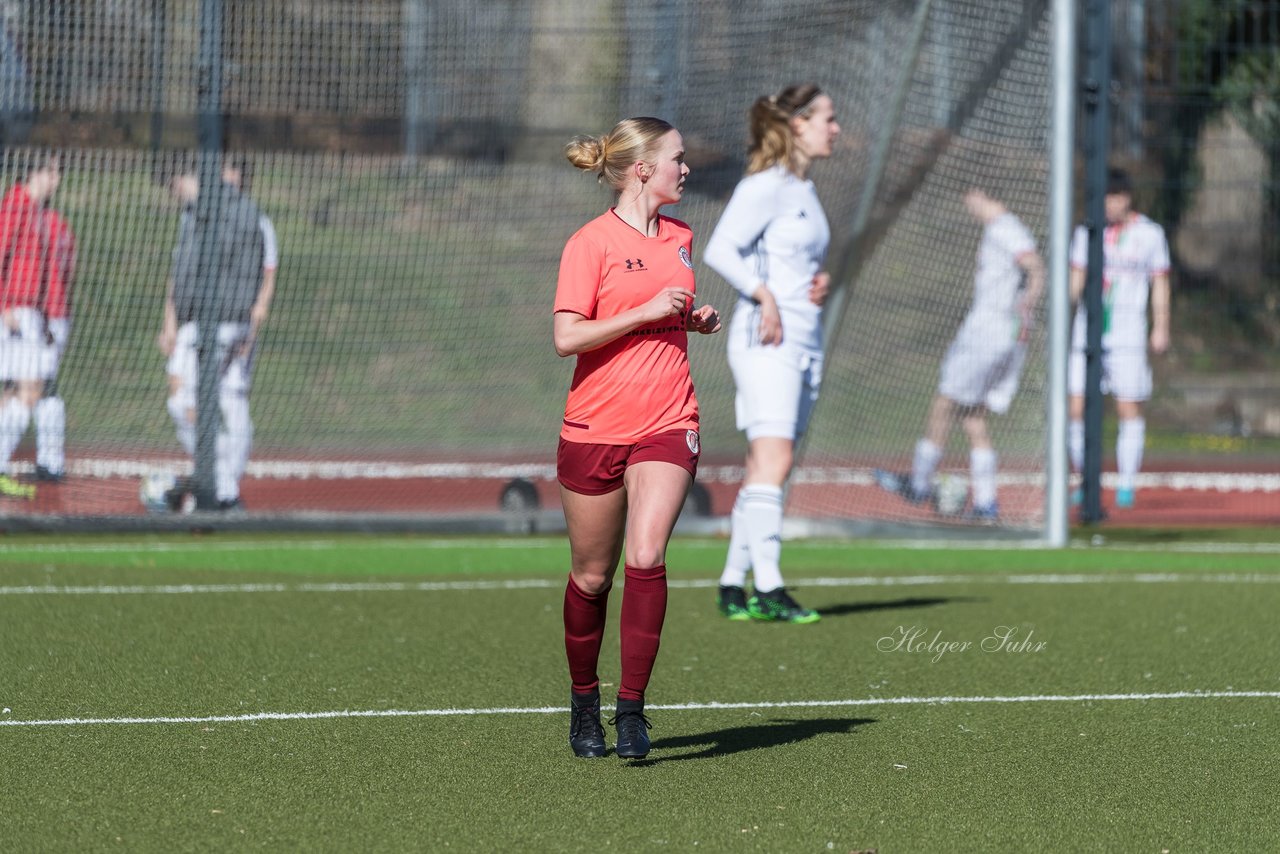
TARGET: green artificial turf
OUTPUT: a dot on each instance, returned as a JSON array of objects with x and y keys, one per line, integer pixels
[{"x": 464, "y": 637}]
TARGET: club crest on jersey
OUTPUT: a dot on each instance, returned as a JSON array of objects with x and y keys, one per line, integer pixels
[
  {"x": 691, "y": 439},
  {"x": 688, "y": 262}
]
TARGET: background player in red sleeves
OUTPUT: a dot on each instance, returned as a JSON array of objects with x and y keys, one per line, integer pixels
[
  {"x": 24, "y": 257},
  {"x": 50, "y": 412},
  {"x": 629, "y": 443}
]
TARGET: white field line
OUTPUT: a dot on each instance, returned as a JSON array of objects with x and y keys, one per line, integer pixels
[
  {"x": 678, "y": 584},
  {"x": 678, "y": 707},
  {"x": 369, "y": 545},
  {"x": 522, "y": 543},
  {"x": 732, "y": 474}
]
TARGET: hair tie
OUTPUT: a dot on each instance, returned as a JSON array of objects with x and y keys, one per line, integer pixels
[{"x": 799, "y": 111}]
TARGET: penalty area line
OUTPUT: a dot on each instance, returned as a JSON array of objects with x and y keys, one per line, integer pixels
[
  {"x": 1049, "y": 579},
  {"x": 256, "y": 717}
]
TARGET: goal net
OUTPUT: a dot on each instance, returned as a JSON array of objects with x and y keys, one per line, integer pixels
[{"x": 408, "y": 156}]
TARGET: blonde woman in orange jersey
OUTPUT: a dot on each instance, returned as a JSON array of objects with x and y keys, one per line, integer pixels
[{"x": 629, "y": 443}]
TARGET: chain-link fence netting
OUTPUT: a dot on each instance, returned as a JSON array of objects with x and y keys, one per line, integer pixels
[{"x": 406, "y": 155}]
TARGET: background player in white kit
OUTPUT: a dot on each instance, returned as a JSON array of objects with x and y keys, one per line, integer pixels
[
  {"x": 241, "y": 312},
  {"x": 1135, "y": 273},
  {"x": 984, "y": 362},
  {"x": 770, "y": 245}
]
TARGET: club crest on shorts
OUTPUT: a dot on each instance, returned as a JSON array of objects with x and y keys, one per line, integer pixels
[
  {"x": 684, "y": 256},
  {"x": 691, "y": 439}
]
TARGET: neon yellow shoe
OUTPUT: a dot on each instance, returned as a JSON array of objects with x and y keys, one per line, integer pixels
[{"x": 10, "y": 488}]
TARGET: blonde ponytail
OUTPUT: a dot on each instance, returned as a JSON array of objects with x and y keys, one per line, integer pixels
[{"x": 772, "y": 139}]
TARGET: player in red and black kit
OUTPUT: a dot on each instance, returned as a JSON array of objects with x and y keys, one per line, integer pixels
[
  {"x": 629, "y": 443},
  {"x": 25, "y": 252},
  {"x": 51, "y": 411}
]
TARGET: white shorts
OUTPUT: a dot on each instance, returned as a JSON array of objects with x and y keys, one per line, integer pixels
[
  {"x": 777, "y": 390},
  {"x": 1126, "y": 374},
  {"x": 26, "y": 354},
  {"x": 59, "y": 331},
  {"x": 977, "y": 372},
  {"x": 233, "y": 368}
]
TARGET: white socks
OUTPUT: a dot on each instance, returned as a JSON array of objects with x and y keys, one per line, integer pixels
[
  {"x": 233, "y": 444},
  {"x": 738, "y": 560},
  {"x": 178, "y": 405},
  {"x": 14, "y": 418},
  {"x": 235, "y": 440},
  {"x": 1130, "y": 440},
  {"x": 982, "y": 477},
  {"x": 923, "y": 465},
  {"x": 757, "y": 524},
  {"x": 1075, "y": 444},
  {"x": 51, "y": 434}
]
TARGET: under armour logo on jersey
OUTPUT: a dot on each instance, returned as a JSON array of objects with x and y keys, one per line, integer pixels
[{"x": 635, "y": 265}]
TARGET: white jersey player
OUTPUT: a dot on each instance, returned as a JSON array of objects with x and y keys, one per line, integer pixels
[
  {"x": 1135, "y": 278},
  {"x": 770, "y": 245},
  {"x": 773, "y": 230},
  {"x": 982, "y": 366}
]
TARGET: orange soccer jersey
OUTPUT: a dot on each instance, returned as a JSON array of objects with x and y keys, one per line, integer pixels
[{"x": 637, "y": 385}]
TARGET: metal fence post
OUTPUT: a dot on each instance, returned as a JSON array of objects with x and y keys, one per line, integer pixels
[
  {"x": 208, "y": 214},
  {"x": 1097, "y": 139}
]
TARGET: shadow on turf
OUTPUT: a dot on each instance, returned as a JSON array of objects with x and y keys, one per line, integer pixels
[
  {"x": 892, "y": 605},
  {"x": 774, "y": 733}
]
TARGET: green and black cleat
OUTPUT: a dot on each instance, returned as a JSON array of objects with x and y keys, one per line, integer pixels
[
  {"x": 732, "y": 602},
  {"x": 778, "y": 606}
]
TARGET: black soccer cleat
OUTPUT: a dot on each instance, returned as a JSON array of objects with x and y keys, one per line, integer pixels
[
  {"x": 48, "y": 475},
  {"x": 633, "y": 729},
  {"x": 176, "y": 497},
  {"x": 778, "y": 606},
  {"x": 732, "y": 602},
  {"x": 900, "y": 484},
  {"x": 586, "y": 733}
]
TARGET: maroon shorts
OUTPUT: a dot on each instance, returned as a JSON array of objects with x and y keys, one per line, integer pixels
[{"x": 596, "y": 469}]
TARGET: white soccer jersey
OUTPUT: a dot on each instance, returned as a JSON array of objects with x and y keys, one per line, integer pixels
[
  {"x": 774, "y": 231},
  {"x": 998, "y": 276},
  {"x": 270, "y": 249},
  {"x": 1134, "y": 252}
]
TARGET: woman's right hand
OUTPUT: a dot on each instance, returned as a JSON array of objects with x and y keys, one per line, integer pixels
[
  {"x": 770, "y": 318},
  {"x": 668, "y": 302}
]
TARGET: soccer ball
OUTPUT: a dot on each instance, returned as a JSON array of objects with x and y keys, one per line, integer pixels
[
  {"x": 155, "y": 489},
  {"x": 953, "y": 493}
]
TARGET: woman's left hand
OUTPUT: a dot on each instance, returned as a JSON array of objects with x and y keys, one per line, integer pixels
[
  {"x": 819, "y": 288},
  {"x": 704, "y": 319}
]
